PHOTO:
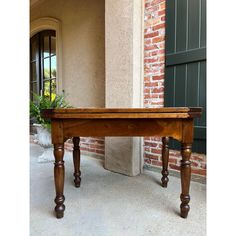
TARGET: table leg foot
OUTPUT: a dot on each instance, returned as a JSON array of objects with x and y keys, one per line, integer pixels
[
  {"x": 76, "y": 160},
  {"x": 185, "y": 179},
  {"x": 60, "y": 207},
  {"x": 164, "y": 182},
  {"x": 165, "y": 160},
  {"x": 77, "y": 180},
  {"x": 184, "y": 206}
]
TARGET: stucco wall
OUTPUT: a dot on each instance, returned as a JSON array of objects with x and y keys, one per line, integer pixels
[
  {"x": 123, "y": 78},
  {"x": 83, "y": 48}
]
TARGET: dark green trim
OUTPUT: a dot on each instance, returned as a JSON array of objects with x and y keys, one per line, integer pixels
[
  {"x": 200, "y": 132},
  {"x": 186, "y": 56}
]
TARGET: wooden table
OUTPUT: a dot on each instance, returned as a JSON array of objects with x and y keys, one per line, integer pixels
[{"x": 165, "y": 122}]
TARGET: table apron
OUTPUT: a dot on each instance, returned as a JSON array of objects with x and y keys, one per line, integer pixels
[{"x": 125, "y": 127}]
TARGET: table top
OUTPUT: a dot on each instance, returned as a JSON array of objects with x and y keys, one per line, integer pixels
[{"x": 119, "y": 113}]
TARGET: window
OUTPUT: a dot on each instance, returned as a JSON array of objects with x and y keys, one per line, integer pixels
[{"x": 43, "y": 61}]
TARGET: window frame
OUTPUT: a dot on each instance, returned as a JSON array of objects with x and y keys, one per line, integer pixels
[{"x": 39, "y": 60}]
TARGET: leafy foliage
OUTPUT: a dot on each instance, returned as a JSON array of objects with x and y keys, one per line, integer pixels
[{"x": 44, "y": 102}]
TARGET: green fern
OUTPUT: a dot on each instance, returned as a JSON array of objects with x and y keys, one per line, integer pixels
[{"x": 44, "y": 102}]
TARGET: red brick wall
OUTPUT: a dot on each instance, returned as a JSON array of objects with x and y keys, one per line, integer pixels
[
  {"x": 87, "y": 144},
  {"x": 154, "y": 64},
  {"x": 154, "y": 53}
]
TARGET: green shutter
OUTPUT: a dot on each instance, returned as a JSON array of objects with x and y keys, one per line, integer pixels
[{"x": 185, "y": 72}]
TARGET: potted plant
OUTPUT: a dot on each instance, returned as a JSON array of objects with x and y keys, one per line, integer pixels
[{"x": 42, "y": 125}]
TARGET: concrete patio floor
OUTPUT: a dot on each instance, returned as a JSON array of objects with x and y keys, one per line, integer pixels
[{"x": 110, "y": 204}]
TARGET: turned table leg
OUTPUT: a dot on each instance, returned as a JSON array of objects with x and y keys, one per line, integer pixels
[
  {"x": 185, "y": 178},
  {"x": 76, "y": 159},
  {"x": 59, "y": 175},
  {"x": 165, "y": 160}
]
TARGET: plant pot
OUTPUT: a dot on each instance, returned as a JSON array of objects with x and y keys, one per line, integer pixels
[
  {"x": 43, "y": 136},
  {"x": 44, "y": 140}
]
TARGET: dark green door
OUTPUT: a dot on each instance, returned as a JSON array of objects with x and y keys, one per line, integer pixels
[{"x": 185, "y": 75}]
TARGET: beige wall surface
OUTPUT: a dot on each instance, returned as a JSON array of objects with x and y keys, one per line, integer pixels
[
  {"x": 83, "y": 47},
  {"x": 124, "y": 46},
  {"x": 124, "y": 78}
]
